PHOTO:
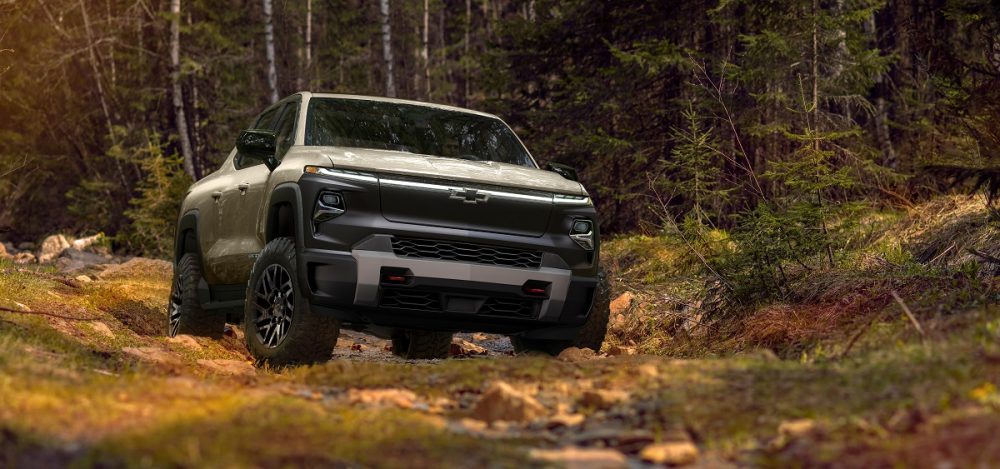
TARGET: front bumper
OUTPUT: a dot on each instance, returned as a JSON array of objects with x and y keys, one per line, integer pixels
[{"x": 442, "y": 294}]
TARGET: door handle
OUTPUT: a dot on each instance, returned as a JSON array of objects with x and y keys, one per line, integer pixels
[
  {"x": 243, "y": 186},
  {"x": 216, "y": 195}
]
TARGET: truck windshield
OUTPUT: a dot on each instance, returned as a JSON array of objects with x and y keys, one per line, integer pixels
[{"x": 358, "y": 123}]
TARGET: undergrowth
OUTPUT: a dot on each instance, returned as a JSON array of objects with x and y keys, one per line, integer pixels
[{"x": 934, "y": 256}]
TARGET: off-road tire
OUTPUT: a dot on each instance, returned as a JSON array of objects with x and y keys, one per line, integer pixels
[
  {"x": 591, "y": 335},
  {"x": 421, "y": 345},
  {"x": 184, "y": 312},
  {"x": 310, "y": 337}
]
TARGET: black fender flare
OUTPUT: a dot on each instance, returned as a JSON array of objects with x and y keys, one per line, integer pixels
[
  {"x": 187, "y": 223},
  {"x": 287, "y": 193}
]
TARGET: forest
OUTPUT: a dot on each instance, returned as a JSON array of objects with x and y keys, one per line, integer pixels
[
  {"x": 798, "y": 205},
  {"x": 711, "y": 110}
]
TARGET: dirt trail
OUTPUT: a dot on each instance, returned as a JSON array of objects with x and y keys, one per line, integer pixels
[{"x": 110, "y": 390}]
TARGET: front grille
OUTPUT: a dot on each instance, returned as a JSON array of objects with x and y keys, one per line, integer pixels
[
  {"x": 466, "y": 252},
  {"x": 509, "y": 307},
  {"x": 410, "y": 299},
  {"x": 434, "y": 301}
]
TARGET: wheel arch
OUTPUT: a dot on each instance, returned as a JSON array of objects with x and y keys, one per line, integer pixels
[
  {"x": 284, "y": 215},
  {"x": 186, "y": 239}
]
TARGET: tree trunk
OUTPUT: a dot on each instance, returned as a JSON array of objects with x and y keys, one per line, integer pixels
[
  {"x": 425, "y": 50},
  {"x": 272, "y": 71},
  {"x": 465, "y": 58},
  {"x": 309, "y": 33},
  {"x": 178, "y": 97},
  {"x": 390, "y": 87},
  {"x": 98, "y": 77}
]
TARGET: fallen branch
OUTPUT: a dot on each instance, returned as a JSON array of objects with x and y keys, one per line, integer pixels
[
  {"x": 46, "y": 313},
  {"x": 909, "y": 314},
  {"x": 985, "y": 256}
]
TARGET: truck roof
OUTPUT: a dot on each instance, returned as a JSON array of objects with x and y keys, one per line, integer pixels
[{"x": 308, "y": 94}]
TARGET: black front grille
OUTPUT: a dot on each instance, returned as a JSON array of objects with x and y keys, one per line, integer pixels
[
  {"x": 435, "y": 301},
  {"x": 509, "y": 307},
  {"x": 411, "y": 299},
  {"x": 466, "y": 252}
]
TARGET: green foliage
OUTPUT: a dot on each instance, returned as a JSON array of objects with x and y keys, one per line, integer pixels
[
  {"x": 153, "y": 212},
  {"x": 694, "y": 169}
]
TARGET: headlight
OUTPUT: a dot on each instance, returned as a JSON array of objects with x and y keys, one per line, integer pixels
[
  {"x": 583, "y": 233},
  {"x": 342, "y": 173},
  {"x": 562, "y": 199}
]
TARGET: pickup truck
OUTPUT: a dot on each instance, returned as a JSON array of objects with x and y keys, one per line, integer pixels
[{"x": 407, "y": 220}]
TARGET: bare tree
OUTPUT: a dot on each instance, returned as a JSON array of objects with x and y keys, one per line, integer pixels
[
  {"x": 465, "y": 59},
  {"x": 178, "y": 91},
  {"x": 309, "y": 33},
  {"x": 425, "y": 50},
  {"x": 272, "y": 71},
  {"x": 98, "y": 77},
  {"x": 390, "y": 87}
]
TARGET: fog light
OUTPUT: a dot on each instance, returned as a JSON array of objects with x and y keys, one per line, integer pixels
[
  {"x": 535, "y": 288},
  {"x": 583, "y": 233},
  {"x": 329, "y": 206}
]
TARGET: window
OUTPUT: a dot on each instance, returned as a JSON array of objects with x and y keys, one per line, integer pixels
[
  {"x": 286, "y": 129},
  {"x": 411, "y": 128}
]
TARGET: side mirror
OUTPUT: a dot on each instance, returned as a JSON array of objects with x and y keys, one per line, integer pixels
[
  {"x": 259, "y": 145},
  {"x": 563, "y": 170}
]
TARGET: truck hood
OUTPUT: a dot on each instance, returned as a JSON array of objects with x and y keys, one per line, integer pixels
[{"x": 451, "y": 169}]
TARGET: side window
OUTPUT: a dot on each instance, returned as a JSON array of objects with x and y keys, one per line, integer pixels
[
  {"x": 264, "y": 121},
  {"x": 286, "y": 129}
]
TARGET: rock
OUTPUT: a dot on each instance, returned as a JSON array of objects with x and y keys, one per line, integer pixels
[
  {"x": 402, "y": 398},
  {"x": 565, "y": 420},
  {"x": 647, "y": 370},
  {"x": 69, "y": 266},
  {"x": 83, "y": 279},
  {"x": 229, "y": 367},
  {"x": 152, "y": 354},
  {"x": 501, "y": 401},
  {"x": 86, "y": 257},
  {"x": 674, "y": 453},
  {"x": 575, "y": 354},
  {"x": 185, "y": 341},
  {"x": 138, "y": 267},
  {"x": 24, "y": 258},
  {"x": 234, "y": 332},
  {"x": 3, "y": 251},
  {"x": 621, "y": 304},
  {"x": 615, "y": 350},
  {"x": 84, "y": 244},
  {"x": 796, "y": 428},
  {"x": 26, "y": 246},
  {"x": 103, "y": 329},
  {"x": 602, "y": 398},
  {"x": 573, "y": 457},
  {"x": 52, "y": 247},
  {"x": 464, "y": 348}
]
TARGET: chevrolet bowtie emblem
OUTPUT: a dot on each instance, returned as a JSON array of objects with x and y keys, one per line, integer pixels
[{"x": 468, "y": 196}]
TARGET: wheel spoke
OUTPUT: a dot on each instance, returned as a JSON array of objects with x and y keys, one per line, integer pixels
[{"x": 273, "y": 305}]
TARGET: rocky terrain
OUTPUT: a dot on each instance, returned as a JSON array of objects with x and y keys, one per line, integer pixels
[{"x": 87, "y": 378}]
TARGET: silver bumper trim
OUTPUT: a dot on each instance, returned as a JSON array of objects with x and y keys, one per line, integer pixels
[{"x": 370, "y": 265}]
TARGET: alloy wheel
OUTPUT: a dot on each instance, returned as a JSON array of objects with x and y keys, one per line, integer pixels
[{"x": 273, "y": 305}]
